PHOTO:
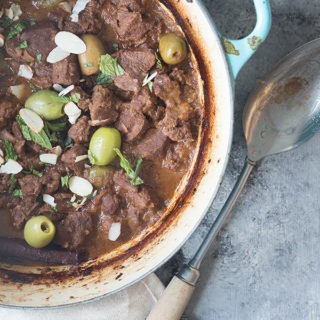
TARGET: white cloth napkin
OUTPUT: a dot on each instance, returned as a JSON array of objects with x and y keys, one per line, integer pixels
[{"x": 133, "y": 303}]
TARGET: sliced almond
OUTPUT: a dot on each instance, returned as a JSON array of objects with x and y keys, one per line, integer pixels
[
  {"x": 49, "y": 158},
  {"x": 80, "y": 186},
  {"x": 1, "y": 40},
  {"x": 25, "y": 71},
  {"x": 11, "y": 167},
  {"x": 78, "y": 7},
  {"x": 57, "y": 150},
  {"x": 58, "y": 87},
  {"x": 65, "y": 91},
  {"x": 80, "y": 158},
  {"x": 114, "y": 231},
  {"x": 72, "y": 111},
  {"x": 16, "y": 10},
  {"x": 9, "y": 13},
  {"x": 18, "y": 91},
  {"x": 49, "y": 200},
  {"x": 32, "y": 120},
  {"x": 73, "y": 198},
  {"x": 148, "y": 78},
  {"x": 56, "y": 55},
  {"x": 70, "y": 42},
  {"x": 65, "y": 6}
]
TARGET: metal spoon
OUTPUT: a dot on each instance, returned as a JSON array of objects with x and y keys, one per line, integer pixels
[{"x": 282, "y": 112}]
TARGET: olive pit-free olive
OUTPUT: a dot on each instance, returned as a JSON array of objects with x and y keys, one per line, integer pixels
[
  {"x": 46, "y": 104},
  {"x": 102, "y": 143},
  {"x": 39, "y": 231},
  {"x": 89, "y": 60},
  {"x": 172, "y": 48}
]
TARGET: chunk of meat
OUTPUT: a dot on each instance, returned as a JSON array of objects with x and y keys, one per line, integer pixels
[
  {"x": 85, "y": 100},
  {"x": 103, "y": 106},
  {"x": 110, "y": 204},
  {"x": 167, "y": 90},
  {"x": 42, "y": 77},
  {"x": 50, "y": 181},
  {"x": 66, "y": 72},
  {"x": 131, "y": 124},
  {"x": 69, "y": 157},
  {"x": 144, "y": 102},
  {"x": 80, "y": 132},
  {"x": 8, "y": 110},
  {"x": 72, "y": 231},
  {"x": 133, "y": 219},
  {"x": 126, "y": 83},
  {"x": 137, "y": 62},
  {"x": 89, "y": 20},
  {"x": 30, "y": 185},
  {"x": 128, "y": 24},
  {"x": 23, "y": 211},
  {"x": 153, "y": 145}
]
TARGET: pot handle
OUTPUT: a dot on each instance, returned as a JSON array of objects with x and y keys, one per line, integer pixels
[{"x": 239, "y": 51}]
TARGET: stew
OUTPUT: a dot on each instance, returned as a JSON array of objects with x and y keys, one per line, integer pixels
[{"x": 99, "y": 120}]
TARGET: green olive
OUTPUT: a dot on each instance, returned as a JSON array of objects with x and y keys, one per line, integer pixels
[
  {"x": 46, "y": 104},
  {"x": 89, "y": 61},
  {"x": 102, "y": 143},
  {"x": 173, "y": 49},
  {"x": 100, "y": 175},
  {"x": 39, "y": 231}
]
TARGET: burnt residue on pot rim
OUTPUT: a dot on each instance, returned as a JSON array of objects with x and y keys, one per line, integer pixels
[{"x": 51, "y": 276}]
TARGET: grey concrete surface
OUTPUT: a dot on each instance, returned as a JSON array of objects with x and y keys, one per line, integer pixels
[{"x": 266, "y": 261}]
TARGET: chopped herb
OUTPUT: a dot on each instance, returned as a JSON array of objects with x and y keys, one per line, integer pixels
[
  {"x": 65, "y": 99},
  {"x": 40, "y": 138},
  {"x": 32, "y": 87},
  {"x": 91, "y": 157},
  {"x": 53, "y": 211},
  {"x": 159, "y": 63},
  {"x": 33, "y": 171},
  {"x": 103, "y": 79},
  {"x": 115, "y": 46},
  {"x": 15, "y": 30},
  {"x": 64, "y": 181},
  {"x": 150, "y": 85},
  {"x": 110, "y": 66},
  {"x": 39, "y": 57},
  {"x": 10, "y": 152},
  {"x": 5, "y": 22},
  {"x": 17, "y": 193},
  {"x": 57, "y": 125},
  {"x": 88, "y": 65},
  {"x": 12, "y": 183},
  {"x": 126, "y": 165},
  {"x": 23, "y": 44}
]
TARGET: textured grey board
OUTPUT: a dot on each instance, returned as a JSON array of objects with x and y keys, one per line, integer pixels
[{"x": 266, "y": 262}]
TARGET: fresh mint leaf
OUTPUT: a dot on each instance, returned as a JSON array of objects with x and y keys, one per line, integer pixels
[
  {"x": 57, "y": 125},
  {"x": 159, "y": 63},
  {"x": 110, "y": 66},
  {"x": 23, "y": 45},
  {"x": 33, "y": 171},
  {"x": 65, "y": 181},
  {"x": 103, "y": 79},
  {"x": 17, "y": 193},
  {"x": 15, "y": 30},
  {"x": 126, "y": 165},
  {"x": 65, "y": 99},
  {"x": 9, "y": 149},
  {"x": 40, "y": 138},
  {"x": 39, "y": 57},
  {"x": 32, "y": 87},
  {"x": 12, "y": 182},
  {"x": 150, "y": 85},
  {"x": 91, "y": 157}
]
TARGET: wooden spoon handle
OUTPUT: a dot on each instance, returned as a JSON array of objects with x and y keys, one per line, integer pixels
[{"x": 173, "y": 301}]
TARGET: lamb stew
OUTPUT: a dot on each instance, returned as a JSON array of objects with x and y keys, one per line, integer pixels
[{"x": 99, "y": 122}]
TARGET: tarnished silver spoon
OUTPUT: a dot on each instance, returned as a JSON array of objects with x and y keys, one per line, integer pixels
[{"x": 282, "y": 112}]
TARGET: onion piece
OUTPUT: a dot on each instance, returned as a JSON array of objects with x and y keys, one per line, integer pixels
[
  {"x": 56, "y": 55},
  {"x": 80, "y": 158},
  {"x": 69, "y": 42},
  {"x": 72, "y": 111},
  {"x": 79, "y": 6},
  {"x": 65, "y": 91},
  {"x": 25, "y": 71},
  {"x": 114, "y": 231},
  {"x": 80, "y": 186},
  {"x": 11, "y": 167},
  {"x": 49, "y": 158},
  {"x": 32, "y": 120},
  {"x": 49, "y": 200}
]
